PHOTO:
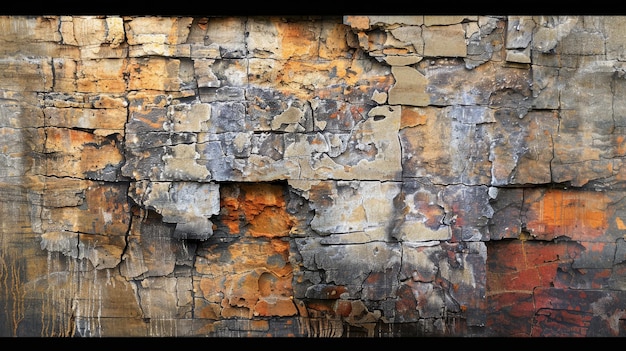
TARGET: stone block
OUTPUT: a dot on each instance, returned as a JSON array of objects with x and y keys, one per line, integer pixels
[
  {"x": 519, "y": 32},
  {"x": 612, "y": 26},
  {"x": 487, "y": 43},
  {"x": 254, "y": 280},
  {"x": 76, "y": 153},
  {"x": 446, "y": 41},
  {"x": 27, "y": 74},
  {"x": 204, "y": 74},
  {"x": 467, "y": 212},
  {"x": 160, "y": 73},
  {"x": 409, "y": 88},
  {"x": 93, "y": 215},
  {"x": 192, "y": 117},
  {"x": 228, "y": 35},
  {"x": 101, "y": 75},
  {"x": 334, "y": 41},
  {"x": 377, "y": 260},
  {"x": 549, "y": 30},
  {"x": 186, "y": 204},
  {"x": 157, "y": 30},
  {"x": 369, "y": 159},
  {"x": 583, "y": 43},
  {"x": 159, "y": 49},
  {"x": 522, "y": 149},
  {"x": 107, "y": 121},
  {"x": 64, "y": 75},
  {"x": 446, "y": 157},
  {"x": 410, "y": 35},
  {"x": 596, "y": 255},
  {"x": 344, "y": 208},
  {"x": 357, "y": 22},
  {"x": 24, "y": 29},
  {"x": 87, "y": 30},
  {"x": 506, "y": 221},
  {"x": 18, "y": 110},
  {"x": 518, "y": 56},
  {"x": 546, "y": 87}
]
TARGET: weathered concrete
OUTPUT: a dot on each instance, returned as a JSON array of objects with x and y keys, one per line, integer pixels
[{"x": 312, "y": 176}]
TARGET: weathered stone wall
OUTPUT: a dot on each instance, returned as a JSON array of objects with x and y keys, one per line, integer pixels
[{"x": 313, "y": 176}]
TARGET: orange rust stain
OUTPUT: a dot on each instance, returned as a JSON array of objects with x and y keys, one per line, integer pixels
[
  {"x": 297, "y": 40},
  {"x": 203, "y": 23},
  {"x": 328, "y": 92},
  {"x": 433, "y": 214},
  {"x": 260, "y": 195},
  {"x": 259, "y": 208},
  {"x": 281, "y": 247},
  {"x": 316, "y": 306},
  {"x": 209, "y": 287},
  {"x": 576, "y": 214},
  {"x": 411, "y": 117},
  {"x": 266, "y": 282},
  {"x": 152, "y": 124},
  {"x": 271, "y": 222},
  {"x": 280, "y": 307},
  {"x": 317, "y": 141},
  {"x": 230, "y": 212},
  {"x": 264, "y": 208},
  {"x": 67, "y": 140}
]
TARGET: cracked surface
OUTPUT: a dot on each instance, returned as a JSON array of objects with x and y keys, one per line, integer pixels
[{"x": 324, "y": 176}]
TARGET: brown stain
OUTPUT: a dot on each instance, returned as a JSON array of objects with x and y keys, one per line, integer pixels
[
  {"x": 321, "y": 194},
  {"x": 343, "y": 308},
  {"x": 145, "y": 119},
  {"x": 411, "y": 117},
  {"x": 434, "y": 213}
]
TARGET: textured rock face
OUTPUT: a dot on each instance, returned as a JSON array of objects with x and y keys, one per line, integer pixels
[{"x": 312, "y": 176}]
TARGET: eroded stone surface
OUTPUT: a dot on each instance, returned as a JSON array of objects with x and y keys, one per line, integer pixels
[{"x": 312, "y": 176}]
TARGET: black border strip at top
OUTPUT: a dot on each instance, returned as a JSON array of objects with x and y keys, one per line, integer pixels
[{"x": 207, "y": 8}]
